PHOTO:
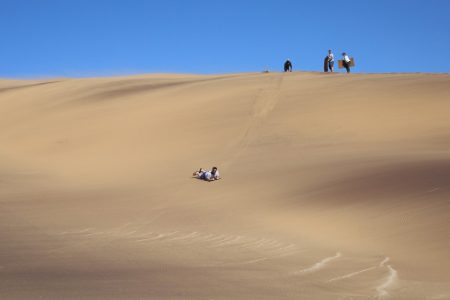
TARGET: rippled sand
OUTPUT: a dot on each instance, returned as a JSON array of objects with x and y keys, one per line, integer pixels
[{"x": 334, "y": 186}]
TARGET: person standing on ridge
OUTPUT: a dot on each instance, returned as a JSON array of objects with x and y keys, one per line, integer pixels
[
  {"x": 346, "y": 62},
  {"x": 288, "y": 66},
  {"x": 330, "y": 60}
]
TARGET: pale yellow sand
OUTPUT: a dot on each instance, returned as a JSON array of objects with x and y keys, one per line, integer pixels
[{"x": 334, "y": 187}]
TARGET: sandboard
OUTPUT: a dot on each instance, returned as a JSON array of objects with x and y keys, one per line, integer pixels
[
  {"x": 341, "y": 63},
  {"x": 195, "y": 177},
  {"x": 325, "y": 64}
]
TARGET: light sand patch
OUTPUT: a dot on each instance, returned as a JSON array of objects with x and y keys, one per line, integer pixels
[
  {"x": 391, "y": 279},
  {"x": 319, "y": 265},
  {"x": 350, "y": 275}
]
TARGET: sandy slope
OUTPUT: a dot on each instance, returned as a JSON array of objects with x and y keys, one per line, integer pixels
[{"x": 334, "y": 187}]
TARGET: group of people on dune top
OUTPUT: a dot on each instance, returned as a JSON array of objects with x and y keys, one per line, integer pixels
[
  {"x": 328, "y": 63},
  {"x": 208, "y": 175}
]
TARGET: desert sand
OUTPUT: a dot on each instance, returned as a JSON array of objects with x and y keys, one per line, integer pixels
[{"x": 333, "y": 186}]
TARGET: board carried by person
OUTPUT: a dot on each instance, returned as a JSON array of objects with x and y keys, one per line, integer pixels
[
  {"x": 325, "y": 64},
  {"x": 346, "y": 62},
  {"x": 341, "y": 63}
]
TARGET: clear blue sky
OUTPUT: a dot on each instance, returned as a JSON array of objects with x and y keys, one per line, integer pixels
[{"x": 42, "y": 38}]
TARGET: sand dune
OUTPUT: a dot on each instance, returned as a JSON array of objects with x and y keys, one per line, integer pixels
[{"x": 334, "y": 187}]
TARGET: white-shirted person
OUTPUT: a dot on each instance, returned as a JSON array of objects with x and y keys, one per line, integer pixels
[
  {"x": 330, "y": 60},
  {"x": 346, "y": 62},
  {"x": 207, "y": 175}
]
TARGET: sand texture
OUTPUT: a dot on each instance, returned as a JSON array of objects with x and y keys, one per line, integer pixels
[{"x": 334, "y": 186}]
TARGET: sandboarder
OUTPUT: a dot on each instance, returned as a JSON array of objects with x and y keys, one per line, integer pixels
[
  {"x": 330, "y": 60},
  {"x": 346, "y": 62},
  {"x": 287, "y": 66},
  {"x": 207, "y": 175}
]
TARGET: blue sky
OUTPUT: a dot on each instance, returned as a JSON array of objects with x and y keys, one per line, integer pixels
[{"x": 45, "y": 38}]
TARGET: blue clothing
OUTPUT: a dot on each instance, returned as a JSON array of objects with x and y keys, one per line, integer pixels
[{"x": 331, "y": 64}]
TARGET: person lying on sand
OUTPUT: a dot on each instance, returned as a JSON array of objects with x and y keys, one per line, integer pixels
[{"x": 207, "y": 175}]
